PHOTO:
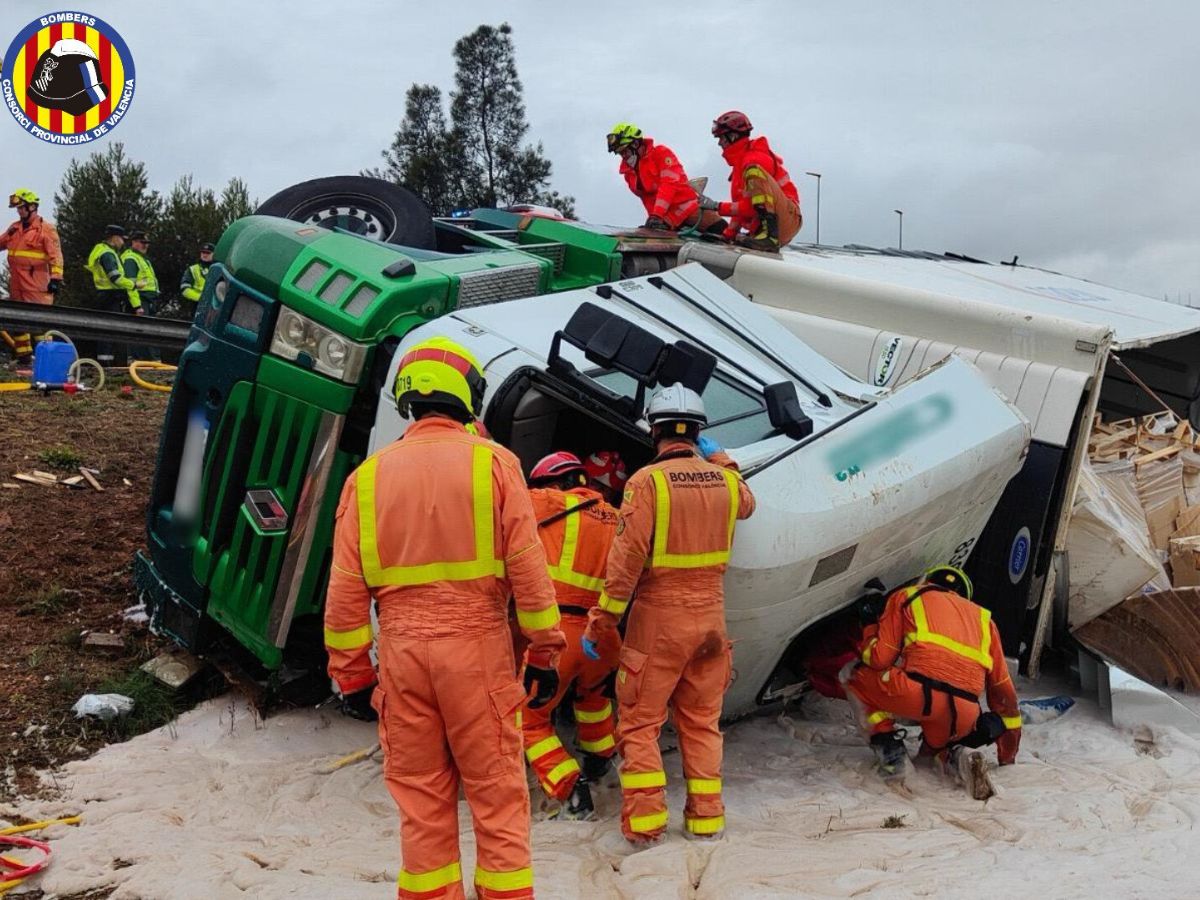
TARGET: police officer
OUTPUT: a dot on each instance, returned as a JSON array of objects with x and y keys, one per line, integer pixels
[
  {"x": 194, "y": 276},
  {"x": 114, "y": 291},
  {"x": 137, "y": 267}
]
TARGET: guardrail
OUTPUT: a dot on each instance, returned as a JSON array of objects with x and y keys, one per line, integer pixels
[{"x": 94, "y": 325}]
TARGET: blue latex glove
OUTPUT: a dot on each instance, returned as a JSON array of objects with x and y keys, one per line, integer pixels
[
  {"x": 707, "y": 446},
  {"x": 590, "y": 650}
]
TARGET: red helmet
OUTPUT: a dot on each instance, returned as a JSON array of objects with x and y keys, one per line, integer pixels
[
  {"x": 732, "y": 122},
  {"x": 607, "y": 468},
  {"x": 555, "y": 466}
]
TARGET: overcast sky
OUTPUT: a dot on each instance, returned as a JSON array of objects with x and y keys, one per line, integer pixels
[{"x": 1068, "y": 133}]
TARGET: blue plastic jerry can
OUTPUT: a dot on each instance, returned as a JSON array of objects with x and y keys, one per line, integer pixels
[{"x": 51, "y": 360}]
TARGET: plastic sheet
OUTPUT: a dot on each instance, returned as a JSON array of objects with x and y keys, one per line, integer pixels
[{"x": 102, "y": 706}]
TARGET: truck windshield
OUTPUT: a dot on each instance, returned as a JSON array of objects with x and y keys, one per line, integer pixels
[{"x": 736, "y": 417}]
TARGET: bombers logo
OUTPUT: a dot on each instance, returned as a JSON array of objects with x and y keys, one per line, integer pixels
[{"x": 67, "y": 78}]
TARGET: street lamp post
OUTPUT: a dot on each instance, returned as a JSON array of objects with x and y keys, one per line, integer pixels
[
  {"x": 900, "y": 213},
  {"x": 817, "y": 175}
]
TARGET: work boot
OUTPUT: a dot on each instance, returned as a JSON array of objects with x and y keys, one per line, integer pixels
[
  {"x": 767, "y": 236},
  {"x": 595, "y": 767},
  {"x": 890, "y": 752},
  {"x": 970, "y": 769},
  {"x": 579, "y": 806}
]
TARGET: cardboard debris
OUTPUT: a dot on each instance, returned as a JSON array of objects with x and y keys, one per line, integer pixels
[
  {"x": 1185, "y": 561},
  {"x": 1108, "y": 543}
]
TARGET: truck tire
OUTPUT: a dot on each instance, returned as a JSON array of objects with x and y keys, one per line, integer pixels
[{"x": 376, "y": 209}]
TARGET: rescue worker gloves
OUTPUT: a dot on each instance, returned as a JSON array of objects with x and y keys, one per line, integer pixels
[
  {"x": 358, "y": 705},
  {"x": 871, "y": 603},
  {"x": 590, "y": 648},
  {"x": 546, "y": 680},
  {"x": 440, "y": 372},
  {"x": 707, "y": 447},
  {"x": 55, "y": 285},
  {"x": 1007, "y": 745},
  {"x": 707, "y": 202},
  {"x": 951, "y": 578},
  {"x": 623, "y": 134},
  {"x": 656, "y": 223}
]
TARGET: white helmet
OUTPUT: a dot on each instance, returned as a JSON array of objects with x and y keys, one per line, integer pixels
[{"x": 676, "y": 403}]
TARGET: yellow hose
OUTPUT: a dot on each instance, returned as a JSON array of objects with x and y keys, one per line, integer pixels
[
  {"x": 15, "y": 385},
  {"x": 150, "y": 364}
]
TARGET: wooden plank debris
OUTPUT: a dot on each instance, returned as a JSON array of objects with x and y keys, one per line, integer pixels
[{"x": 91, "y": 479}]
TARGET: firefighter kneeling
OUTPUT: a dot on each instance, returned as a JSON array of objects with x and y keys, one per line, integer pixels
[
  {"x": 928, "y": 653},
  {"x": 576, "y": 527},
  {"x": 438, "y": 529},
  {"x": 673, "y": 540}
]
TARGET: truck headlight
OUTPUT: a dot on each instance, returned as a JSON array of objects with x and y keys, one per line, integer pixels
[{"x": 331, "y": 353}]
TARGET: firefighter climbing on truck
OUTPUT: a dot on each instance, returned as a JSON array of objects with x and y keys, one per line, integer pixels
[{"x": 656, "y": 176}]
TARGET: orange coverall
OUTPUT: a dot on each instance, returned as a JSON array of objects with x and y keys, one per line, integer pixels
[
  {"x": 34, "y": 258},
  {"x": 673, "y": 541},
  {"x": 438, "y": 529},
  {"x": 928, "y": 634},
  {"x": 758, "y": 180},
  {"x": 576, "y": 548},
  {"x": 661, "y": 183}
]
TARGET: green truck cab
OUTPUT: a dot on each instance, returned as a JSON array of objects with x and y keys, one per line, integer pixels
[{"x": 275, "y": 398}]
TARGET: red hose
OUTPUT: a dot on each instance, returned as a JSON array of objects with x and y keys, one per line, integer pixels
[{"x": 15, "y": 870}]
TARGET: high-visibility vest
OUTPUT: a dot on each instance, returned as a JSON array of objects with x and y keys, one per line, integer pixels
[
  {"x": 563, "y": 569},
  {"x": 196, "y": 288},
  {"x": 483, "y": 564},
  {"x": 660, "y": 558},
  {"x": 99, "y": 276},
  {"x": 146, "y": 281},
  {"x": 977, "y": 651}
]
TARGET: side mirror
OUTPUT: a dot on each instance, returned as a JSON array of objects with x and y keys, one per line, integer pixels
[
  {"x": 784, "y": 412},
  {"x": 612, "y": 342}
]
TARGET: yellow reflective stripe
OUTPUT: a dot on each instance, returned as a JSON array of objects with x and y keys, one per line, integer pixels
[
  {"x": 705, "y": 826},
  {"x": 562, "y": 770},
  {"x": 758, "y": 199},
  {"x": 605, "y": 743},
  {"x": 660, "y": 558},
  {"x": 484, "y": 563},
  {"x": 634, "y": 780},
  {"x": 704, "y": 785},
  {"x": 590, "y": 717},
  {"x": 876, "y": 717},
  {"x": 981, "y": 655},
  {"x": 541, "y": 748},
  {"x": 1012, "y": 723},
  {"x": 504, "y": 881},
  {"x": 429, "y": 881},
  {"x": 539, "y": 619},
  {"x": 31, "y": 254},
  {"x": 652, "y": 822},
  {"x": 348, "y": 640},
  {"x": 610, "y": 605},
  {"x": 866, "y": 654},
  {"x": 518, "y": 717},
  {"x": 564, "y": 571}
]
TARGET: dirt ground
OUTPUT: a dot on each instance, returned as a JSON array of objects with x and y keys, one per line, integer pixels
[{"x": 65, "y": 568}]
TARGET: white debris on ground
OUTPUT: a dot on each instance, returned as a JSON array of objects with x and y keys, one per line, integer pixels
[{"x": 222, "y": 804}]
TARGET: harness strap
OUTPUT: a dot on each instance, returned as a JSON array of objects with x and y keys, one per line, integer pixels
[
  {"x": 563, "y": 513},
  {"x": 928, "y": 686}
]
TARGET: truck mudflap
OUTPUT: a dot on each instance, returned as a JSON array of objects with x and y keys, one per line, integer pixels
[{"x": 171, "y": 614}]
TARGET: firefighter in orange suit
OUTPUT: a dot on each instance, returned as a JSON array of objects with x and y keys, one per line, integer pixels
[
  {"x": 438, "y": 529},
  {"x": 35, "y": 262},
  {"x": 928, "y": 657},
  {"x": 656, "y": 176},
  {"x": 576, "y": 527},
  {"x": 763, "y": 199},
  {"x": 673, "y": 540}
]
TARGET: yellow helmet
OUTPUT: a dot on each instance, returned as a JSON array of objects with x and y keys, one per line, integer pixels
[
  {"x": 22, "y": 195},
  {"x": 622, "y": 135},
  {"x": 439, "y": 371},
  {"x": 951, "y": 578}
]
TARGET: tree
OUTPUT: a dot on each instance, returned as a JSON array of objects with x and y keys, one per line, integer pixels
[
  {"x": 421, "y": 153},
  {"x": 108, "y": 188},
  {"x": 480, "y": 159}
]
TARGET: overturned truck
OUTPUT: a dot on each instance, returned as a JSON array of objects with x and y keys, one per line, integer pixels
[{"x": 283, "y": 389}]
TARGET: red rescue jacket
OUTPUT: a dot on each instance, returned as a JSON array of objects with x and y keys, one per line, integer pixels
[
  {"x": 741, "y": 155},
  {"x": 662, "y": 185}
]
